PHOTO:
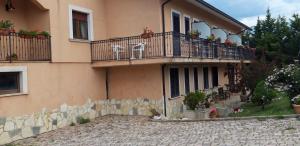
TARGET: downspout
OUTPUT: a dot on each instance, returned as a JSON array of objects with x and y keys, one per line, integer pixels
[
  {"x": 164, "y": 50},
  {"x": 164, "y": 89},
  {"x": 106, "y": 82}
]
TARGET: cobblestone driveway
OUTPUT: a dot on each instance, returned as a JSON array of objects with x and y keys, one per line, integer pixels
[{"x": 119, "y": 130}]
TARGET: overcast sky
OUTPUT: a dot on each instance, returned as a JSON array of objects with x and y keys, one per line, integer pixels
[{"x": 247, "y": 11}]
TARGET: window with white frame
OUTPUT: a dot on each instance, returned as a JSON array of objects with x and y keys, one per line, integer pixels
[
  {"x": 13, "y": 80},
  {"x": 80, "y": 23}
]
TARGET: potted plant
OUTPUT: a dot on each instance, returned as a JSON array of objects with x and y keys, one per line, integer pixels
[
  {"x": 195, "y": 34},
  {"x": 27, "y": 34},
  {"x": 195, "y": 103},
  {"x": 43, "y": 35},
  {"x": 296, "y": 104},
  {"x": 13, "y": 56},
  {"x": 218, "y": 40},
  {"x": 211, "y": 38},
  {"x": 148, "y": 33},
  {"x": 228, "y": 43},
  {"x": 6, "y": 27}
]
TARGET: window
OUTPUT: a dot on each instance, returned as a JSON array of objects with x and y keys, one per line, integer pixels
[
  {"x": 187, "y": 80},
  {"x": 205, "y": 78},
  {"x": 13, "y": 80},
  {"x": 81, "y": 24},
  {"x": 187, "y": 25},
  {"x": 196, "y": 79},
  {"x": 215, "y": 76},
  {"x": 174, "y": 81},
  {"x": 9, "y": 82}
]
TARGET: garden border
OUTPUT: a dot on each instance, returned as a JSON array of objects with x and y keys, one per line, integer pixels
[{"x": 234, "y": 118}]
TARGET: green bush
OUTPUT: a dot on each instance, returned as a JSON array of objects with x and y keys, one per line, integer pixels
[
  {"x": 263, "y": 94},
  {"x": 194, "y": 99},
  {"x": 82, "y": 120}
]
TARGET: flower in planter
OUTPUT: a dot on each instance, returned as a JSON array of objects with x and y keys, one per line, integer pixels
[
  {"x": 228, "y": 43},
  {"x": 211, "y": 37},
  {"x": 195, "y": 34},
  {"x": 148, "y": 33},
  {"x": 6, "y": 27}
]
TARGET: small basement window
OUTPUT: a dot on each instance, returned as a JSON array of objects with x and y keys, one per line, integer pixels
[{"x": 9, "y": 82}]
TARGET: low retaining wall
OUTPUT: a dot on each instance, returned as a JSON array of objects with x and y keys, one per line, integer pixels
[{"x": 15, "y": 128}]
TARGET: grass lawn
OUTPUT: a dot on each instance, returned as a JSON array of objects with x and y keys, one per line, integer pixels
[{"x": 278, "y": 107}]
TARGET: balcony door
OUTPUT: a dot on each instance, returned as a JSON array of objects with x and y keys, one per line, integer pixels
[
  {"x": 205, "y": 78},
  {"x": 174, "y": 82},
  {"x": 215, "y": 76},
  {"x": 176, "y": 33}
]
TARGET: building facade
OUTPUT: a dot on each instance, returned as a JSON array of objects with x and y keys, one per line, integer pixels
[{"x": 105, "y": 57}]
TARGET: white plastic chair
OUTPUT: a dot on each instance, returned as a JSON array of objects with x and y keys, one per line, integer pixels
[
  {"x": 117, "y": 49},
  {"x": 138, "y": 47}
]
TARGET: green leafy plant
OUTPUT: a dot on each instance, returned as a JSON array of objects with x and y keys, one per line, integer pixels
[
  {"x": 72, "y": 124},
  {"x": 6, "y": 24},
  {"x": 263, "y": 94},
  {"x": 211, "y": 37},
  {"x": 194, "y": 99},
  {"x": 44, "y": 33},
  {"x": 27, "y": 34},
  {"x": 82, "y": 120},
  {"x": 195, "y": 34}
]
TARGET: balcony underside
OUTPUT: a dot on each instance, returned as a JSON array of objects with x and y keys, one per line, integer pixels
[{"x": 102, "y": 64}]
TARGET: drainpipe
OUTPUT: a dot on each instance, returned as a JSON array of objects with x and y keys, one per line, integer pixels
[
  {"x": 106, "y": 83},
  {"x": 164, "y": 25},
  {"x": 164, "y": 50}
]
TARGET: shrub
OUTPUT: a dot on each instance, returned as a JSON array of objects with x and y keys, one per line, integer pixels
[
  {"x": 288, "y": 78},
  {"x": 82, "y": 120},
  {"x": 263, "y": 94},
  {"x": 194, "y": 99}
]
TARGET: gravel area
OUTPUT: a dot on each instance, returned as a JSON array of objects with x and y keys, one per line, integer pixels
[{"x": 128, "y": 130}]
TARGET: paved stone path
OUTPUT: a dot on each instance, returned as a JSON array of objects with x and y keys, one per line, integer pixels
[{"x": 124, "y": 130}]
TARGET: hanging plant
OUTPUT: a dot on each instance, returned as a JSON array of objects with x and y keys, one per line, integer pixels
[{"x": 9, "y": 5}]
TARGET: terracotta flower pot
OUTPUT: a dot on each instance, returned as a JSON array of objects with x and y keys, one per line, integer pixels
[{"x": 296, "y": 108}]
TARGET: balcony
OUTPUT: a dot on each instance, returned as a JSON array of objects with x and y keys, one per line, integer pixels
[
  {"x": 18, "y": 48},
  {"x": 178, "y": 46}
]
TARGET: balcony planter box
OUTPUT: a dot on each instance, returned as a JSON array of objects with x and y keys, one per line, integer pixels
[
  {"x": 296, "y": 108},
  {"x": 6, "y": 32},
  {"x": 196, "y": 114},
  {"x": 41, "y": 37}
]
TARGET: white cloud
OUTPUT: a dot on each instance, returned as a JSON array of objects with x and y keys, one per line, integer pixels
[
  {"x": 278, "y": 7},
  {"x": 251, "y": 21}
]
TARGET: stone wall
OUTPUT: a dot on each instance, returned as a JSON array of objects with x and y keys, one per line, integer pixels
[
  {"x": 15, "y": 128},
  {"x": 175, "y": 108}
]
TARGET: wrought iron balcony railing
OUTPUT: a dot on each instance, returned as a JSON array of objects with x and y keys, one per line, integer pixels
[
  {"x": 15, "y": 47},
  {"x": 177, "y": 46}
]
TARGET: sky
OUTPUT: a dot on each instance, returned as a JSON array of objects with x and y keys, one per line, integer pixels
[{"x": 247, "y": 11}]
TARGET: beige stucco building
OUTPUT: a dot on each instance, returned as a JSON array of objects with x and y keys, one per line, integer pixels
[{"x": 96, "y": 61}]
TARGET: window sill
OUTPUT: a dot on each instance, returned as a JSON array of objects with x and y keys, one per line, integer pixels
[
  {"x": 13, "y": 94},
  {"x": 79, "y": 41},
  {"x": 174, "y": 98}
]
